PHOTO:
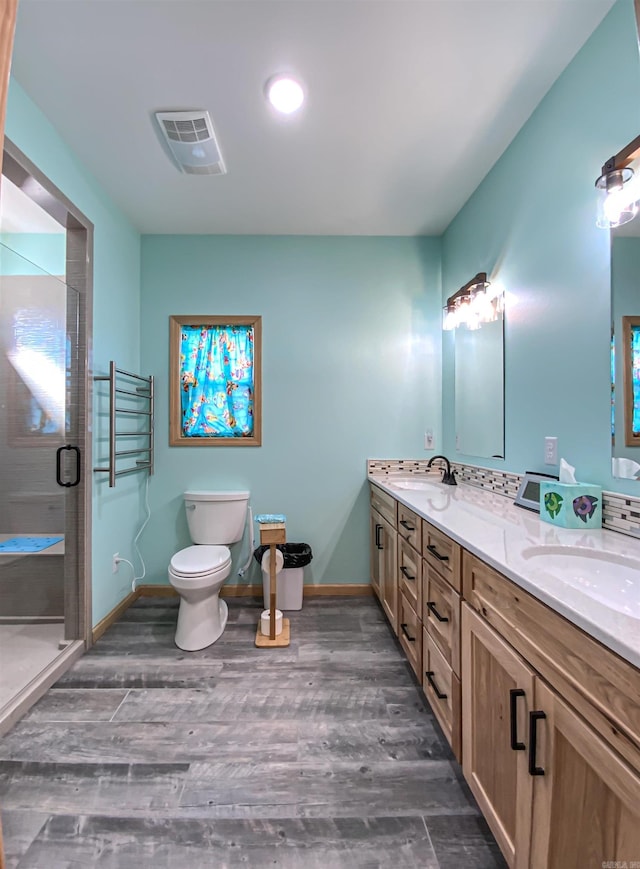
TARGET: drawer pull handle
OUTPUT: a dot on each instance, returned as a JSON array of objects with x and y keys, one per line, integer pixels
[
  {"x": 406, "y": 525},
  {"x": 430, "y": 674},
  {"x": 406, "y": 574},
  {"x": 378, "y": 530},
  {"x": 407, "y": 634},
  {"x": 534, "y": 717},
  {"x": 435, "y": 552},
  {"x": 432, "y": 608},
  {"x": 513, "y": 719}
]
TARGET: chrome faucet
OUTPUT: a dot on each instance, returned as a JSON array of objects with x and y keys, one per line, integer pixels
[{"x": 448, "y": 476}]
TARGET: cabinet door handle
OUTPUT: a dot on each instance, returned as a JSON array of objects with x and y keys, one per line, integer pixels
[
  {"x": 534, "y": 717},
  {"x": 407, "y": 634},
  {"x": 378, "y": 530},
  {"x": 513, "y": 699},
  {"x": 430, "y": 674},
  {"x": 406, "y": 525},
  {"x": 431, "y": 606},
  {"x": 435, "y": 552},
  {"x": 405, "y": 573}
]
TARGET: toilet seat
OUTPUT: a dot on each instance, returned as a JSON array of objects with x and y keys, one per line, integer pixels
[{"x": 200, "y": 560}]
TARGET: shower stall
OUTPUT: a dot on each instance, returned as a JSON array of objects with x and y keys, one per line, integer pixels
[{"x": 43, "y": 436}]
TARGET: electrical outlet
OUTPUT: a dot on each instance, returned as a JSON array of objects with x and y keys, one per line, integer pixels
[
  {"x": 115, "y": 565},
  {"x": 551, "y": 451},
  {"x": 428, "y": 439}
]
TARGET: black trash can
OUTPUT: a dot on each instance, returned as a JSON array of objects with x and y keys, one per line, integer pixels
[{"x": 290, "y": 580}]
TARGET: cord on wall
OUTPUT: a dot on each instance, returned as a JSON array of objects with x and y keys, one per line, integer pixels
[{"x": 135, "y": 543}]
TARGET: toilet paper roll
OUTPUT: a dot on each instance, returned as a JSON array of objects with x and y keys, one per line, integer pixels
[{"x": 265, "y": 564}]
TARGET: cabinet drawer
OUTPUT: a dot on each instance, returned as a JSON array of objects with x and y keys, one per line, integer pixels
[
  {"x": 410, "y": 635},
  {"x": 601, "y": 686},
  {"x": 443, "y": 553},
  {"x": 385, "y": 504},
  {"x": 442, "y": 687},
  {"x": 410, "y": 574},
  {"x": 410, "y": 526},
  {"x": 441, "y": 615}
]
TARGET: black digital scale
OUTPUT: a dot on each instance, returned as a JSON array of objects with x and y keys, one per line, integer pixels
[{"x": 529, "y": 492}]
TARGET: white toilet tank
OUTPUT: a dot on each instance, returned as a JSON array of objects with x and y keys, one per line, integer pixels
[{"x": 216, "y": 517}]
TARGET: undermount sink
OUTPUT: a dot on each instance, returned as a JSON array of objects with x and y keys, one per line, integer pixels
[
  {"x": 416, "y": 485},
  {"x": 608, "y": 577}
]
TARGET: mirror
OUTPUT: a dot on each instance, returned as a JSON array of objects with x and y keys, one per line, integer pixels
[
  {"x": 479, "y": 389},
  {"x": 625, "y": 349}
]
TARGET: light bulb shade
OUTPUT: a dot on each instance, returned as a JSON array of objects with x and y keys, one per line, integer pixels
[
  {"x": 449, "y": 320},
  {"x": 473, "y": 305},
  {"x": 618, "y": 198}
]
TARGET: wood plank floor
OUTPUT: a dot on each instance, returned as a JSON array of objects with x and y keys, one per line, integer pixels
[{"x": 322, "y": 755}]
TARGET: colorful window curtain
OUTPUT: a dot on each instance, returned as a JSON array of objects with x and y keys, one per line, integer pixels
[
  {"x": 217, "y": 381},
  {"x": 635, "y": 378}
]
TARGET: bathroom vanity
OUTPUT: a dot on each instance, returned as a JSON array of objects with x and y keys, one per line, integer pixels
[{"x": 526, "y": 640}]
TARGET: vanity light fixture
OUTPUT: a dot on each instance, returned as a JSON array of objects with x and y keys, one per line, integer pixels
[
  {"x": 472, "y": 305},
  {"x": 285, "y": 93},
  {"x": 619, "y": 190}
]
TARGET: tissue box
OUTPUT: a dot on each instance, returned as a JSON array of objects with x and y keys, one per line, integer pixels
[{"x": 571, "y": 505}]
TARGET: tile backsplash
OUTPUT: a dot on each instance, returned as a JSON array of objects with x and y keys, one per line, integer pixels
[{"x": 619, "y": 512}]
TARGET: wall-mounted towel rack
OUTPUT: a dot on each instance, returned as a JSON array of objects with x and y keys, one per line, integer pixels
[{"x": 128, "y": 400}]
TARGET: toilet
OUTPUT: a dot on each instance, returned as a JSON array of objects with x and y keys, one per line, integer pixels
[{"x": 198, "y": 572}]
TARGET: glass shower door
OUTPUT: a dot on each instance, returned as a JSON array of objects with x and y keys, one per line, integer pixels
[{"x": 41, "y": 470}]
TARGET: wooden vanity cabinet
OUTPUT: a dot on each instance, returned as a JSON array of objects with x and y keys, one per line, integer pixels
[
  {"x": 544, "y": 718},
  {"x": 442, "y": 688},
  {"x": 555, "y": 766},
  {"x": 442, "y": 553},
  {"x": 441, "y": 582},
  {"x": 586, "y": 801},
  {"x": 497, "y": 695},
  {"x": 409, "y": 557},
  {"x": 410, "y": 634},
  {"x": 384, "y": 553}
]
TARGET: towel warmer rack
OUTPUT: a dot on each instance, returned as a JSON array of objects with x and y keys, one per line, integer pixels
[{"x": 120, "y": 385}]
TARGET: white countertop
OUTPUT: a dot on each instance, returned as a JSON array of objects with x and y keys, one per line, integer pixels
[{"x": 591, "y": 577}]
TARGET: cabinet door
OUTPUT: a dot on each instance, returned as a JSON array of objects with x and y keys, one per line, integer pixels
[
  {"x": 586, "y": 803},
  {"x": 410, "y": 634},
  {"x": 375, "y": 551},
  {"x": 494, "y": 727},
  {"x": 442, "y": 687},
  {"x": 410, "y": 574},
  {"x": 441, "y": 615},
  {"x": 389, "y": 573}
]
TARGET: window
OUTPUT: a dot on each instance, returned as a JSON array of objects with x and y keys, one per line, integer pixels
[{"x": 215, "y": 389}]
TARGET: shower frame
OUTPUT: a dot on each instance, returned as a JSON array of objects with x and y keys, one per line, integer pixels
[{"x": 17, "y": 167}]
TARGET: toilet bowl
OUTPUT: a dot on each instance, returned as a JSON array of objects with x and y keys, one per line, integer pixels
[{"x": 198, "y": 572}]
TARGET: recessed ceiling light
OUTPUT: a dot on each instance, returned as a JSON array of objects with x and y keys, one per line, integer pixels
[{"x": 285, "y": 94}]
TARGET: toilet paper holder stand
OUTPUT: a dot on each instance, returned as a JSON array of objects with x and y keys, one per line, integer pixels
[{"x": 271, "y": 534}]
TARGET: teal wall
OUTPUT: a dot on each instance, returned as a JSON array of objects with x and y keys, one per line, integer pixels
[
  {"x": 116, "y": 325},
  {"x": 352, "y": 328},
  {"x": 531, "y": 225},
  {"x": 31, "y": 253},
  {"x": 351, "y": 350}
]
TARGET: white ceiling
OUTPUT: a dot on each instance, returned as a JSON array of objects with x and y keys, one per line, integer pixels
[{"x": 410, "y": 102}]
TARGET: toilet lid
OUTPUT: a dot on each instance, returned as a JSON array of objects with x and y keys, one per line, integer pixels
[{"x": 198, "y": 560}]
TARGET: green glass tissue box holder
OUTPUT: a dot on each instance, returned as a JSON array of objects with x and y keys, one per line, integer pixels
[{"x": 571, "y": 505}]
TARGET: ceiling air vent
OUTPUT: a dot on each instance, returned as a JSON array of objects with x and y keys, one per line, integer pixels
[{"x": 192, "y": 142}]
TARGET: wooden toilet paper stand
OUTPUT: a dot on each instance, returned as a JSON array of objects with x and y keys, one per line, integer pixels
[{"x": 272, "y": 533}]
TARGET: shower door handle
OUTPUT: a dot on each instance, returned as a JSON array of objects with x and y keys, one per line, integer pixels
[{"x": 59, "y": 479}]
